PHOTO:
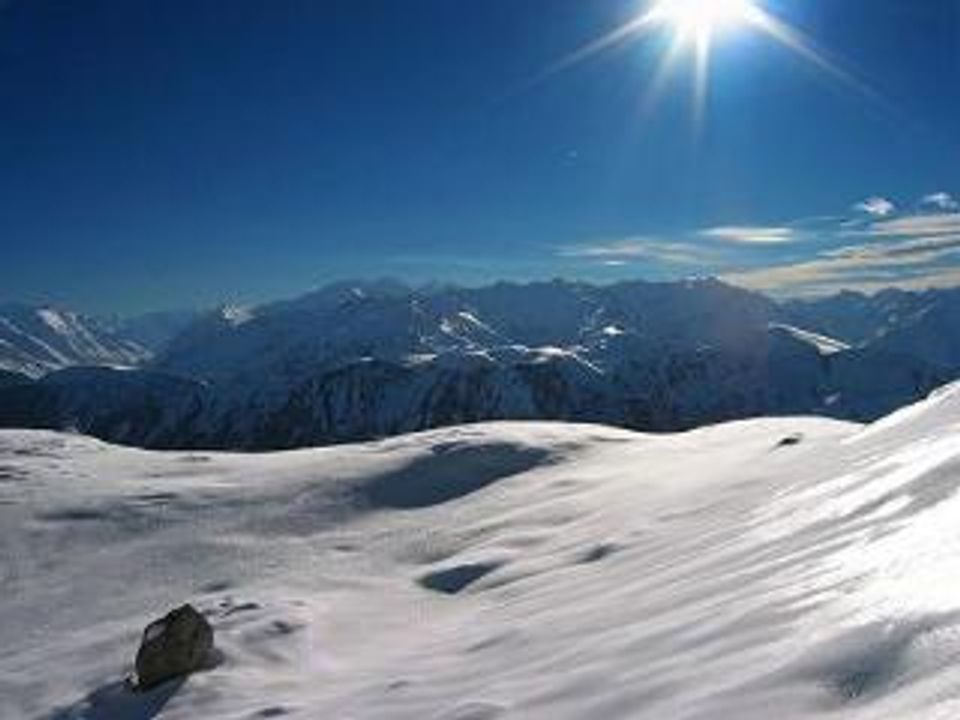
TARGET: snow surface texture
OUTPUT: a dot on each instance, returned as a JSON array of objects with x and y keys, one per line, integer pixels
[{"x": 786, "y": 568}]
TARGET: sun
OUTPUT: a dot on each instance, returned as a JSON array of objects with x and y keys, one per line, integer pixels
[
  {"x": 701, "y": 19},
  {"x": 696, "y": 26}
]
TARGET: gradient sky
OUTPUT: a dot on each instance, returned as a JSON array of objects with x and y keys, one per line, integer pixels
[{"x": 166, "y": 153}]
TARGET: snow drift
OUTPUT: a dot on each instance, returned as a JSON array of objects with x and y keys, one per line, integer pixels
[{"x": 788, "y": 567}]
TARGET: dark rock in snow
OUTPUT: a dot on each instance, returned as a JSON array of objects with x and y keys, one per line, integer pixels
[
  {"x": 178, "y": 644},
  {"x": 791, "y": 440},
  {"x": 451, "y": 581}
]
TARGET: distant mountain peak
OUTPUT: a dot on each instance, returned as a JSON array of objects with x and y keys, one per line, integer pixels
[{"x": 237, "y": 315}]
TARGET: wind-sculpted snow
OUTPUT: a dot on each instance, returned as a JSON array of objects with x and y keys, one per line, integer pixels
[{"x": 790, "y": 568}]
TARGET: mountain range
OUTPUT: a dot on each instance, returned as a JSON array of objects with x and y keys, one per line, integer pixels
[{"x": 363, "y": 360}]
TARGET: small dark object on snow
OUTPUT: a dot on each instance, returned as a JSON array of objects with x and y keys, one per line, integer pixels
[
  {"x": 791, "y": 440},
  {"x": 177, "y": 644}
]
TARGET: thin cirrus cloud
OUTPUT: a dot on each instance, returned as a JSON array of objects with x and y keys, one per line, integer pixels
[
  {"x": 751, "y": 234},
  {"x": 903, "y": 264},
  {"x": 912, "y": 252},
  {"x": 621, "y": 252},
  {"x": 880, "y": 247},
  {"x": 947, "y": 223}
]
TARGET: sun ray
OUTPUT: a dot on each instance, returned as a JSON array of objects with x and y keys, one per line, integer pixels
[
  {"x": 695, "y": 25},
  {"x": 792, "y": 39},
  {"x": 701, "y": 78},
  {"x": 619, "y": 35},
  {"x": 659, "y": 80}
]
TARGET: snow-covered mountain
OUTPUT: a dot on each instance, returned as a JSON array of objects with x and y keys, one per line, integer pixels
[
  {"x": 798, "y": 568},
  {"x": 898, "y": 323},
  {"x": 346, "y": 322},
  {"x": 862, "y": 319},
  {"x": 37, "y": 340},
  {"x": 932, "y": 333},
  {"x": 360, "y": 361}
]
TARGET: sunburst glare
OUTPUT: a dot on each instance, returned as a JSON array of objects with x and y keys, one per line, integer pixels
[
  {"x": 696, "y": 19},
  {"x": 696, "y": 26}
]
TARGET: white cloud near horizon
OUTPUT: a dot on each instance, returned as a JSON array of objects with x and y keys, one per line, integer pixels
[
  {"x": 876, "y": 206},
  {"x": 912, "y": 226},
  {"x": 620, "y": 252},
  {"x": 940, "y": 201},
  {"x": 910, "y": 263},
  {"x": 881, "y": 248},
  {"x": 751, "y": 234}
]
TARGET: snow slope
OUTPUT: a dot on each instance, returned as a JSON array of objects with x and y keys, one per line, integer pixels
[
  {"x": 824, "y": 345},
  {"x": 789, "y": 568},
  {"x": 36, "y": 340}
]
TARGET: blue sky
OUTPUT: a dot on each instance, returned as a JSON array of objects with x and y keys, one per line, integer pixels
[{"x": 187, "y": 152}]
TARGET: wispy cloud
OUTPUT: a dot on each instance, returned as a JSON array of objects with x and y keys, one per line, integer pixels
[
  {"x": 912, "y": 251},
  {"x": 910, "y": 261},
  {"x": 751, "y": 234},
  {"x": 882, "y": 246},
  {"x": 620, "y": 252},
  {"x": 920, "y": 247},
  {"x": 940, "y": 201},
  {"x": 876, "y": 206},
  {"x": 913, "y": 226},
  {"x": 813, "y": 280}
]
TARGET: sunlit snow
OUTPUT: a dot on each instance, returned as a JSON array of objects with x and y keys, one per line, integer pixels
[{"x": 788, "y": 568}]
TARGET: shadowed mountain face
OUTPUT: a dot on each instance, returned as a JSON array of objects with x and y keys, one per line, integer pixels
[
  {"x": 154, "y": 330},
  {"x": 8, "y": 378},
  {"x": 360, "y": 361}
]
